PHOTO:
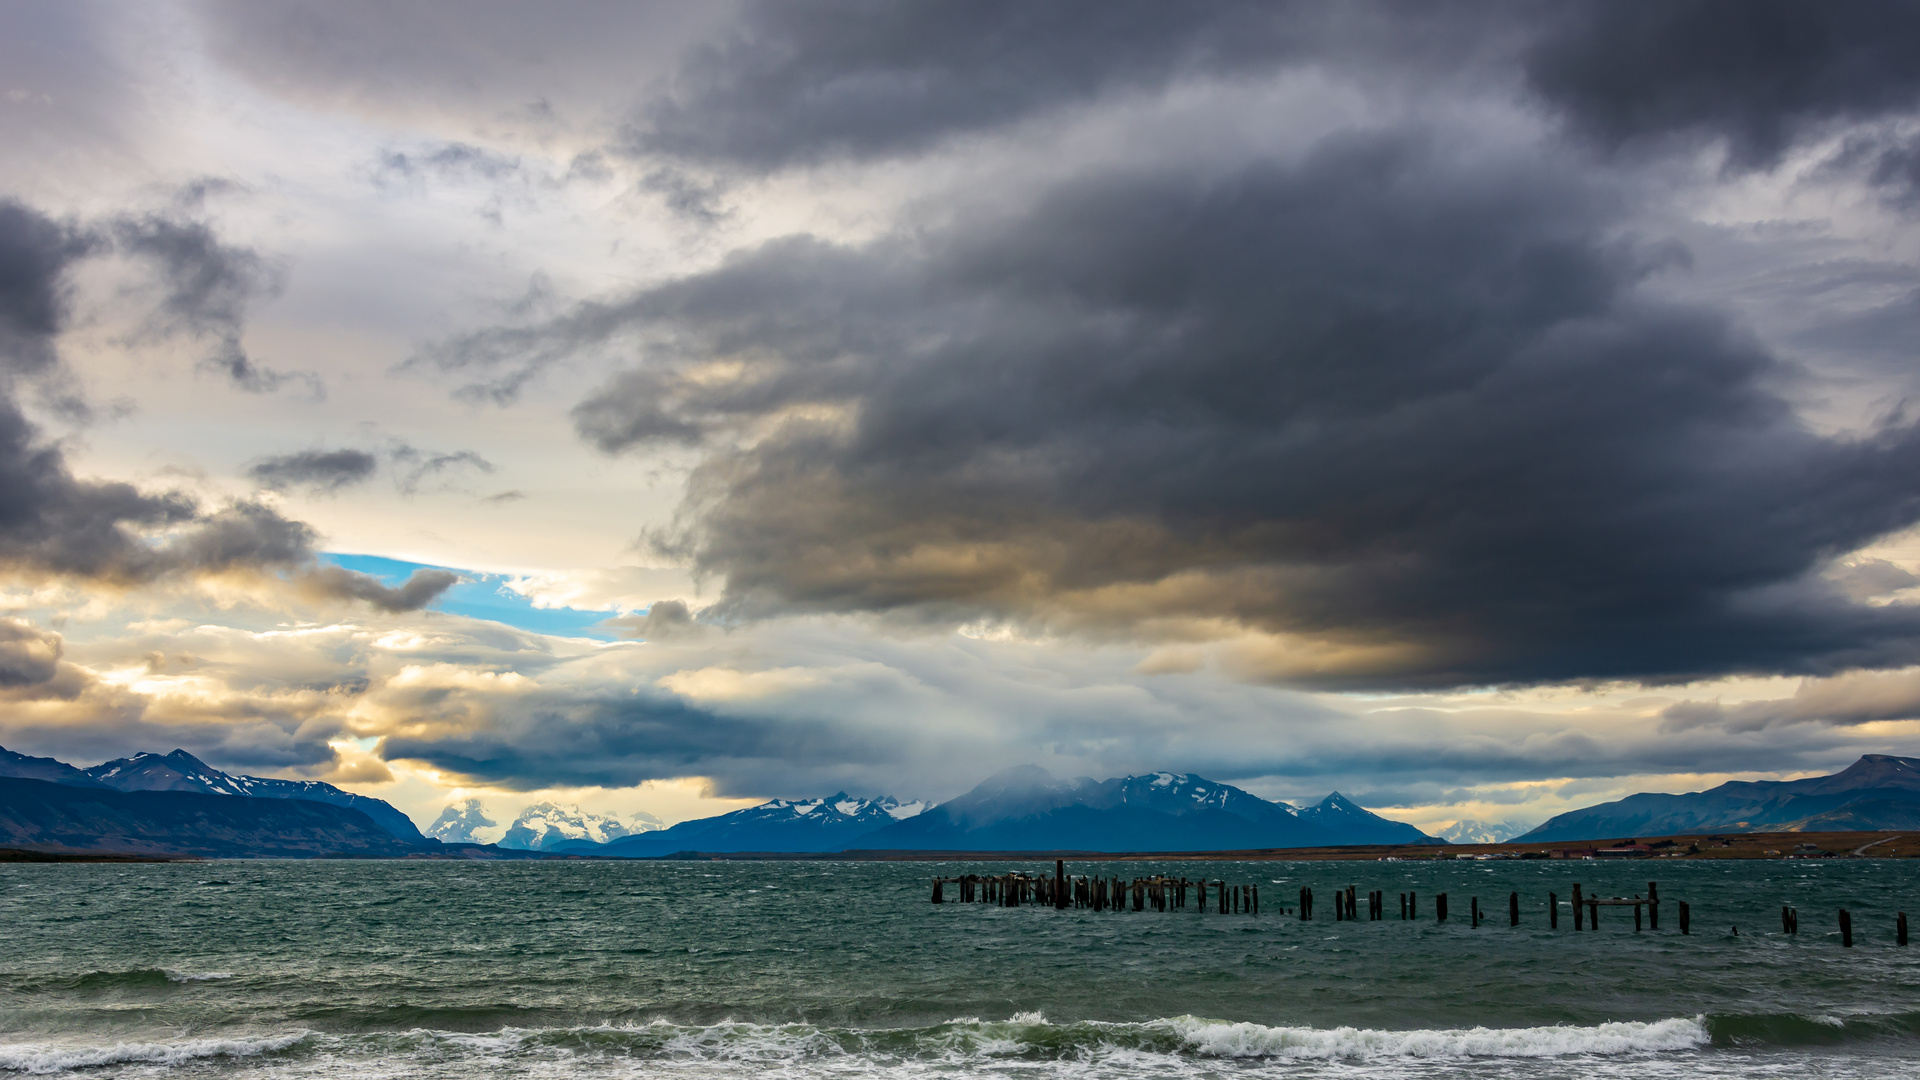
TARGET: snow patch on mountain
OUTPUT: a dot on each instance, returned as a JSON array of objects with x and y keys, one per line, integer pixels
[
  {"x": 543, "y": 825},
  {"x": 1472, "y": 831},
  {"x": 465, "y": 822}
]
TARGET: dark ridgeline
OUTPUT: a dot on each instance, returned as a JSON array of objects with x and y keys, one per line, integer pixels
[{"x": 1878, "y": 793}]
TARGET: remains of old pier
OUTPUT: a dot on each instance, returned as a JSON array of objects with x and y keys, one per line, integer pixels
[{"x": 1161, "y": 892}]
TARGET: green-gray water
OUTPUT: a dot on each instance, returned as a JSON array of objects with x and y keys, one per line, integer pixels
[{"x": 844, "y": 969}]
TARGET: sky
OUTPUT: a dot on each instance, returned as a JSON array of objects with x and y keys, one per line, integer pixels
[{"x": 1482, "y": 409}]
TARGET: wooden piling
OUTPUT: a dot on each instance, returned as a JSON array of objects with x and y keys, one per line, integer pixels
[
  {"x": 1636, "y": 918},
  {"x": 936, "y": 890},
  {"x": 1653, "y": 905},
  {"x": 1786, "y": 919},
  {"x": 1473, "y": 908},
  {"x": 1900, "y": 928},
  {"x": 1060, "y": 884},
  {"x": 1413, "y": 906},
  {"x": 1686, "y": 918},
  {"x": 1513, "y": 909},
  {"x": 1440, "y": 908},
  {"x": 1256, "y": 899},
  {"x": 1579, "y": 913},
  {"x": 1593, "y": 914},
  {"x": 1553, "y": 911},
  {"x": 1403, "y": 907},
  {"x": 1846, "y": 929}
]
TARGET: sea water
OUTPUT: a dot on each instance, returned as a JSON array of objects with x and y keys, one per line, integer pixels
[{"x": 834, "y": 969}]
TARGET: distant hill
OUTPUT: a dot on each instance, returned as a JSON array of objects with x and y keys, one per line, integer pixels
[
  {"x": 788, "y": 825},
  {"x": 40, "y": 815},
  {"x": 181, "y": 771},
  {"x": 1875, "y": 793},
  {"x": 22, "y": 767}
]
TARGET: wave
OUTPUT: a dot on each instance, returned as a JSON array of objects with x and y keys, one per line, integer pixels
[
  {"x": 1363, "y": 1044},
  {"x": 34, "y": 1059},
  {"x": 97, "y": 981},
  {"x": 1799, "y": 1029},
  {"x": 1022, "y": 1041}
]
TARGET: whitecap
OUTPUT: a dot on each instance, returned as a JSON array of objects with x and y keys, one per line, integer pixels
[{"x": 40, "y": 1059}]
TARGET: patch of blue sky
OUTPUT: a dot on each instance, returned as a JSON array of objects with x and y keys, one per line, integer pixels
[{"x": 485, "y": 596}]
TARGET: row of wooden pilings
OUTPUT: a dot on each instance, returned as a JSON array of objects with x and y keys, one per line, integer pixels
[
  {"x": 1162, "y": 893},
  {"x": 1063, "y": 891}
]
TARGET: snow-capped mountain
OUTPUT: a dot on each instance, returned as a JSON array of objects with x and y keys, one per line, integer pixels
[
  {"x": 465, "y": 822},
  {"x": 1354, "y": 824},
  {"x": 1029, "y": 809},
  {"x": 777, "y": 825},
  {"x": 1471, "y": 831},
  {"x": 181, "y": 771},
  {"x": 543, "y": 826}
]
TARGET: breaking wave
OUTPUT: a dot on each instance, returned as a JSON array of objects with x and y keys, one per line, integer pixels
[
  {"x": 34, "y": 1059},
  {"x": 1026, "y": 1038}
]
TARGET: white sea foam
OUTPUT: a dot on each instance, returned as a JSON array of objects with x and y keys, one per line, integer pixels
[
  {"x": 1025, "y": 1039},
  {"x": 42, "y": 1058},
  {"x": 1258, "y": 1040}
]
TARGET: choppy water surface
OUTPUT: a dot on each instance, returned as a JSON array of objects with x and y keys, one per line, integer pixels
[{"x": 301, "y": 969}]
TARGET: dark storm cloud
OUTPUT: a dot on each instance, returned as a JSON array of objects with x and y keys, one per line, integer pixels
[
  {"x": 326, "y": 472},
  {"x": 421, "y": 588},
  {"x": 803, "y": 82},
  {"x": 416, "y": 467},
  {"x": 662, "y": 620},
  {"x": 1411, "y": 407},
  {"x": 624, "y": 738},
  {"x": 317, "y": 471},
  {"x": 1758, "y": 73},
  {"x": 54, "y": 523},
  {"x": 207, "y": 286},
  {"x": 35, "y": 254}
]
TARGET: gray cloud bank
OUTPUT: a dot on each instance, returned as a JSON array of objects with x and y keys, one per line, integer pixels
[{"x": 1417, "y": 402}]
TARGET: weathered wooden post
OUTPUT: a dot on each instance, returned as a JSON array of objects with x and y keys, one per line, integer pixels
[
  {"x": 1553, "y": 911},
  {"x": 1846, "y": 929},
  {"x": 1900, "y": 928},
  {"x": 1513, "y": 909},
  {"x": 1306, "y": 903},
  {"x": 936, "y": 890},
  {"x": 1786, "y": 919},
  {"x": 1440, "y": 908},
  {"x": 1223, "y": 896},
  {"x": 1256, "y": 899},
  {"x": 1636, "y": 918},
  {"x": 1686, "y": 918},
  {"x": 1653, "y": 905},
  {"x": 1473, "y": 908},
  {"x": 1579, "y": 912},
  {"x": 1593, "y": 913},
  {"x": 1060, "y": 884},
  {"x": 1403, "y": 907}
]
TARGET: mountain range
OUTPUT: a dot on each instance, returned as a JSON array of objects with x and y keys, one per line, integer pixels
[
  {"x": 1878, "y": 792},
  {"x": 782, "y": 825},
  {"x": 1472, "y": 831},
  {"x": 1028, "y": 809}
]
